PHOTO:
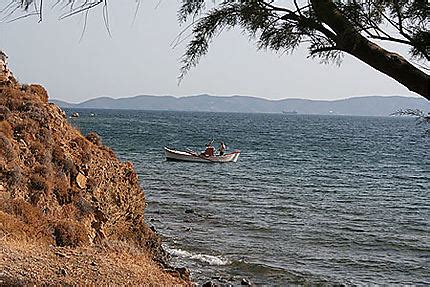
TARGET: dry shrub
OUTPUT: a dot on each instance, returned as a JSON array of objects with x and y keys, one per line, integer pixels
[
  {"x": 44, "y": 135},
  {"x": 94, "y": 138},
  {"x": 13, "y": 103},
  {"x": 39, "y": 91},
  {"x": 69, "y": 211},
  {"x": 19, "y": 131},
  {"x": 63, "y": 163},
  {"x": 42, "y": 170},
  {"x": 130, "y": 174},
  {"x": 14, "y": 176},
  {"x": 58, "y": 156},
  {"x": 3, "y": 170},
  {"x": 33, "y": 221},
  {"x": 91, "y": 185},
  {"x": 22, "y": 210},
  {"x": 62, "y": 192},
  {"x": 4, "y": 113},
  {"x": 81, "y": 145},
  {"x": 38, "y": 186},
  {"x": 84, "y": 207},
  {"x": 146, "y": 238},
  {"x": 38, "y": 182},
  {"x": 70, "y": 168},
  {"x": 12, "y": 226},
  {"x": 6, "y": 128},
  {"x": 6, "y": 148},
  {"x": 13, "y": 93},
  {"x": 109, "y": 151},
  {"x": 37, "y": 114},
  {"x": 86, "y": 157},
  {"x": 70, "y": 234},
  {"x": 38, "y": 151},
  {"x": 25, "y": 87},
  {"x": 25, "y": 107}
]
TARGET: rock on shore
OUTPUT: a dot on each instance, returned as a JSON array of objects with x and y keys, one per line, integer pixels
[{"x": 62, "y": 190}]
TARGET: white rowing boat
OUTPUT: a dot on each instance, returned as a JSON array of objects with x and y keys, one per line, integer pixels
[{"x": 193, "y": 156}]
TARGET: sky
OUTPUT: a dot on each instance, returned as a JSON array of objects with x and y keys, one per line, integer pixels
[{"x": 139, "y": 59}]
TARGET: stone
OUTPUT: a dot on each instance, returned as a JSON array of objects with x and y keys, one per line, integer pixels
[
  {"x": 59, "y": 254},
  {"x": 81, "y": 180},
  {"x": 209, "y": 284},
  {"x": 188, "y": 211},
  {"x": 184, "y": 272},
  {"x": 63, "y": 271},
  {"x": 245, "y": 282}
]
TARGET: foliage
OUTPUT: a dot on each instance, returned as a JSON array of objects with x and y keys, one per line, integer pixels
[
  {"x": 421, "y": 117},
  {"x": 283, "y": 27},
  {"x": 280, "y": 25}
]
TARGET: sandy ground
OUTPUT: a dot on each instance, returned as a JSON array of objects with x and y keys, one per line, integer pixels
[{"x": 25, "y": 264}]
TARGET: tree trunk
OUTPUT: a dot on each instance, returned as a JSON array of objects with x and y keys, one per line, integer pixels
[{"x": 349, "y": 40}]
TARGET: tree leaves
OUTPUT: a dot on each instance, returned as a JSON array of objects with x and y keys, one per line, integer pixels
[{"x": 282, "y": 28}]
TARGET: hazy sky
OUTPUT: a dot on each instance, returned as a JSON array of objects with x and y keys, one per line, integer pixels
[{"x": 140, "y": 59}]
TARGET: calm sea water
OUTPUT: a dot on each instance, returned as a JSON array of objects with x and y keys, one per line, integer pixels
[{"x": 312, "y": 199}]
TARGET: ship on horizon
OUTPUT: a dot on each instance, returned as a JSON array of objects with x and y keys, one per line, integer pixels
[{"x": 290, "y": 112}]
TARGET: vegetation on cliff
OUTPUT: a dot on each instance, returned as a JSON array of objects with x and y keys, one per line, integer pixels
[{"x": 59, "y": 189}]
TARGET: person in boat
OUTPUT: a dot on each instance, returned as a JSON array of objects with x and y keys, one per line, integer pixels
[
  {"x": 221, "y": 148},
  {"x": 210, "y": 150}
]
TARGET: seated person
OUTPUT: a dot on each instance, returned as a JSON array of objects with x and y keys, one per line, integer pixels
[
  {"x": 222, "y": 148},
  {"x": 209, "y": 151}
]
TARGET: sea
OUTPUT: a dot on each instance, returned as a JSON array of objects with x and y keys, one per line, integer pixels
[{"x": 312, "y": 200}]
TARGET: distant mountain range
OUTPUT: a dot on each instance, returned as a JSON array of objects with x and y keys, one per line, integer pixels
[{"x": 360, "y": 106}]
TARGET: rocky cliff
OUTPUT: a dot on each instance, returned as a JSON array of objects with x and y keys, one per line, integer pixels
[{"x": 62, "y": 192}]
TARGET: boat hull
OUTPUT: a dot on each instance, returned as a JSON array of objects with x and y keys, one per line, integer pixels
[{"x": 175, "y": 155}]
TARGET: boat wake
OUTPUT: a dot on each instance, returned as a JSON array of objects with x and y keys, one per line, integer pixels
[{"x": 208, "y": 259}]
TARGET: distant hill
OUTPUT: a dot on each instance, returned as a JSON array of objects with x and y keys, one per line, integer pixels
[
  {"x": 362, "y": 106},
  {"x": 62, "y": 104}
]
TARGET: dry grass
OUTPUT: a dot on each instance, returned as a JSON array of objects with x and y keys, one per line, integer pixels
[
  {"x": 39, "y": 91},
  {"x": 30, "y": 264},
  {"x": 21, "y": 220},
  {"x": 6, "y": 129},
  {"x": 94, "y": 138},
  {"x": 70, "y": 234}
]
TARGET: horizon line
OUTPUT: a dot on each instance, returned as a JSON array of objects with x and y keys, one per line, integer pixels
[{"x": 235, "y": 95}]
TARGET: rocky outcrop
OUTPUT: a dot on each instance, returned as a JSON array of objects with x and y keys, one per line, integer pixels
[
  {"x": 6, "y": 76},
  {"x": 59, "y": 188}
]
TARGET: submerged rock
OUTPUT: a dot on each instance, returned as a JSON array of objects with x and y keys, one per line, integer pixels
[
  {"x": 209, "y": 284},
  {"x": 246, "y": 282}
]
